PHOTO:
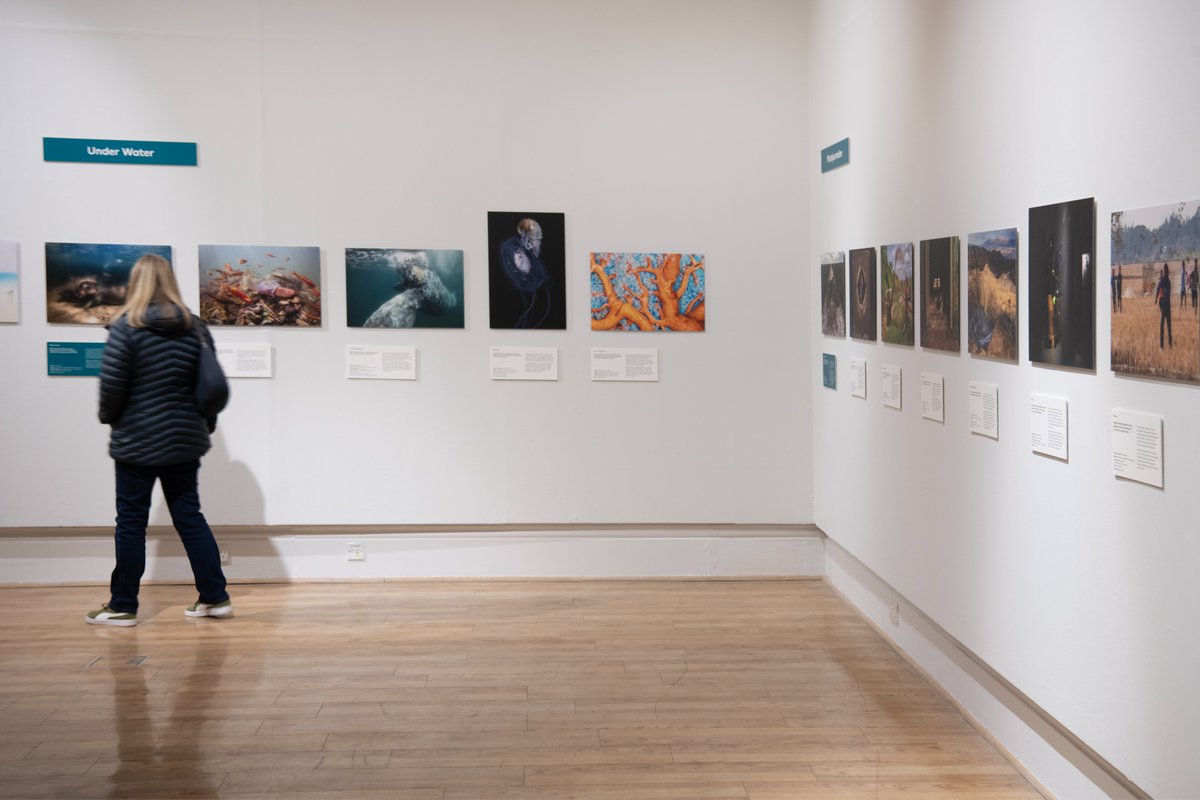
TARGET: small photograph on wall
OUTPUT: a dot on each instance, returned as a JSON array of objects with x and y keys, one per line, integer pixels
[
  {"x": 527, "y": 270},
  {"x": 833, "y": 294},
  {"x": 896, "y": 315},
  {"x": 863, "y": 290},
  {"x": 992, "y": 294},
  {"x": 1062, "y": 284},
  {"x": 10, "y": 296},
  {"x": 85, "y": 283},
  {"x": 1154, "y": 282},
  {"x": 394, "y": 288},
  {"x": 647, "y": 291},
  {"x": 260, "y": 286},
  {"x": 939, "y": 293}
]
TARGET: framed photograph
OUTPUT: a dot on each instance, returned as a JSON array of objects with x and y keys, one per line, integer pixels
[
  {"x": 864, "y": 288},
  {"x": 939, "y": 294},
  {"x": 992, "y": 278},
  {"x": 1153, "y": 283},
  {"x": 255, "y": 285},
  {"x": 896, "y": 315},
  {"x": 833, "y": 294},
  {"x": 86, "y": 283},
  {"x": 1062, "y": 284},
  {"x": 396, "y": 288},
  {"x": 526, "y": 270},
  {"x": 647, "y": 291}
]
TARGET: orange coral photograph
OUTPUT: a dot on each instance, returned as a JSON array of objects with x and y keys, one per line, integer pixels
[{"x": 647, "y": 291}]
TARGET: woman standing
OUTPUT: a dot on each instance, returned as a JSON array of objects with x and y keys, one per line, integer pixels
[{"x": 147, "y": 395}]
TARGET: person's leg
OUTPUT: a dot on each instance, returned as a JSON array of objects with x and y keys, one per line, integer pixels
[
  {"x": 183, "y": 500},
  {"x": 1162, "y": 322},
  {"x": 134, "y": 487}
]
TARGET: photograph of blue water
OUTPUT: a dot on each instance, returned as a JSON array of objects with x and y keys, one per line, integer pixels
[{"x": 404, "y": 288}]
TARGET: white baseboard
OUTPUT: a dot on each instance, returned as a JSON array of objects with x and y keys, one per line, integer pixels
[
  {"x": 1051, "y": 757},
  {"x": 575, "y": 552}
]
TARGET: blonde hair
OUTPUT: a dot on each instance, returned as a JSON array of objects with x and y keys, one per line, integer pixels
[{"x": 152, "y": 282}]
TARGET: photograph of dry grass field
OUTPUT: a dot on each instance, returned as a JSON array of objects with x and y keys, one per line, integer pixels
[
  {"x": 1155, "y": 319},
  {"x": 992, "y": 294}
]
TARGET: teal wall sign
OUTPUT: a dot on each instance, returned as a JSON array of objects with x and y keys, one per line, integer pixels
[
  {"x": 829, "y": 370},
  {"x": 836, "y": 155},
  {"x": 74, "y": 358},
  {"x": 119, "y": 151}
]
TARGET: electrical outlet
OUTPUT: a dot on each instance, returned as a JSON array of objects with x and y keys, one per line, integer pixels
[
  {"x": 224, "y": 556},
  {"x": 894, "y": 612},
  {"x": 355, "y": 552}
]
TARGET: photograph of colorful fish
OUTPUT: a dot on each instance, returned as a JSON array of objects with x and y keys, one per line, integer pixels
[
  {"x": 249, "y": 285},
  {"x": 647, "y": 291}
]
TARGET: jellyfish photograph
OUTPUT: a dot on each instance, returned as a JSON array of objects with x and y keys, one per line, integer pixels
[
  {"x": 391, "y": 288},
  {"x": 526, "y": 270}
]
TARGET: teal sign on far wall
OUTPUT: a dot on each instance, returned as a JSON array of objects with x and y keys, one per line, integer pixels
[
  {"x": 836, "y": 155},
  {"x": 119, "y": 151},
  {"x": 829, "y": 370},
  {"x": 74, "y": 358}
]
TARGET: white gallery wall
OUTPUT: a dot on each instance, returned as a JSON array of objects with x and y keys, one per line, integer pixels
[
  {"x": 660, "y": 126},
  {"x": 1075, "y": 586}
]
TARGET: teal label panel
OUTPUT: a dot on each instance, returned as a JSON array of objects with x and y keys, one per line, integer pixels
[
  {"x": 836, "y": 155},
  {"x": 829, "y": 370},
  {"x": 74, "y": 358},
  {"x": 119, "y": 151}
]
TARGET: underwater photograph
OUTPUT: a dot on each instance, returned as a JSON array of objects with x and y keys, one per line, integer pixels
[
  {"x": 256, "y": 285},
  {"x": 397, "y": 288},
  {"x": 527, "y": 270},
  {"x": 86, "y": 283},
  {"x": 647, "y": 291}
]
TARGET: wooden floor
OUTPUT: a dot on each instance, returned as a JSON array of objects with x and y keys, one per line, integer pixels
[{"x": 617, "y": 690}]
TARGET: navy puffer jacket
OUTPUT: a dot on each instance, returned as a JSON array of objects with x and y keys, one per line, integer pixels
[{"x": 147, "y": 390}]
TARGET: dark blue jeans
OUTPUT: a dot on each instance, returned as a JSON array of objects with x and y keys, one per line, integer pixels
[{"x": 135, "y": 484}]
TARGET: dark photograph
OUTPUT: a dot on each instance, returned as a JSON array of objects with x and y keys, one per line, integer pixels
[
  {"x": 526, "y": 270},
  {"x": 1062, "y": 284}
]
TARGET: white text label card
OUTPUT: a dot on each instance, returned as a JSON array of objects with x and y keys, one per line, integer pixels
[
  {"x": 626, "y": 364},
  {"x": 858, "y": 377},
  {"x": 891, "y": 386},
  {"x": 982, "y": 411},
  {"x": 245, "y": 360},
  {"x": 1048, "y": 425},
  {"x": 381, "y": 362},
  {"x": 524, "y": 363},
  {"x": 933, "y": 405},
  {"x": 1137, "y": 447}
]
